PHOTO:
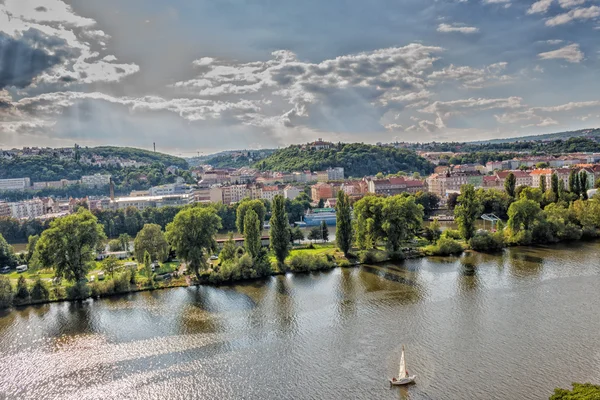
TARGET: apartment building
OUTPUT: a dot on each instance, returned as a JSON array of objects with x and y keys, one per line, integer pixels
[
  {"x": 96, "y": 180},
  {"x": 291, "y": 192},
  {"x": 321, "y": 190},
  {"x": 441, "y": 183},
  {"x": 5, "y": 210},
  {"x": 27, "y": 209},
  {"x": 15, "y": 184},
  {"x": 269, "y": 192},
  {"x": 394, "y": 186}
]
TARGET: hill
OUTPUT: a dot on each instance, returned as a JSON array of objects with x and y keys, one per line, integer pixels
[
  {"x": 590, "y": 133},
  {"x": 357, "y": 159},
  {"x": 131, "y": 153}
]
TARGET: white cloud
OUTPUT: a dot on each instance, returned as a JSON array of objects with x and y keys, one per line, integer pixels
[
  {"x": 576, "y": 14},
  {"x": 540, "y": 6},
  {"x": 449, "y": 28},
  {"x": 470, "y": 77},
  {"x": 456, "y": 107},
  {"x": 570, "y": 3},
  {"x": 570, "y": 53}
]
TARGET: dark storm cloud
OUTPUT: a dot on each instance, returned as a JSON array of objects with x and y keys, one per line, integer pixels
[
  {"x": 41, "y": 9},
  {"x": 21, "y": 61}
]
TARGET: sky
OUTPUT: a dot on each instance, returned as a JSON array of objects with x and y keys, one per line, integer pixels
[{"x": 199, "y": 76}]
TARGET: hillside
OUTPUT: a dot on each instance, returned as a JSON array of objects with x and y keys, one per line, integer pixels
[
  {"x": 593, "y": 132},
  {"x": 357, "y": 159},
  {"x": 134, "y": 154}
]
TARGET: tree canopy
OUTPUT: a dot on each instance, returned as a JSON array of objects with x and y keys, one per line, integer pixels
[{"x": 151, "y": 239}]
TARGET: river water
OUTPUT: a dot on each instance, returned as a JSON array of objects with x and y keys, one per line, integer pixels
[{"x": 511, "y": 326}]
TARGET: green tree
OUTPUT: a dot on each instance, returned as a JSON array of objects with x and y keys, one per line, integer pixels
[
  {"x": 583, "y": 184},
  {"x": 39, "y": 291},
  {"x": 252, "y": 242},
  {"x": 581, "y": 391},
  {"x": 6, "y": 292},
  {"x": 368, "y": 221},
  {"x": 321, "y": 203},
  {"x": 324, "y": 231},
  {"x": 7, "y": 255},
  {"x": 542, "y": 165},
  {"x": 555, "y": 186},
  {"x": 343, "y": 229},
  {"x": 574, "y": 183},
  {"x": 522, "y": 214},
  {"x": 115, "y": 245},
  {"x": 429, "y": 201},
  {"x": 543, "y": 183},
  {"x": 297, "y": 234},
  {"x": 534, "y": 194},
  {"x": 510, "y": 184},
  {"x": 124, "y": 239},
  {"x": 148, "y": 268},
  {"x": 403, "y": 218},
  {"x": 228, "y": 251},
  {"x": 151, "y": 239},
  {"x": 110, "y": 265},
  {"x": 243, "y": 207},
  {"x": 22, "y": 293},
  {"x": 280, "y": 230},
  {"x": 30, "y": 248},
  {"x": 69, "y": 244},
  {"x": 467, "y": 211},
  {"x": 433, "y": 231},
  {"x": 192, "y": 235},
  {"x": 315, "y": 233}
]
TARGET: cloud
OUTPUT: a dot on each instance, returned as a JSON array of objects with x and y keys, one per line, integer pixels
[
  {"x": 576, "y": 14},
  {"x": 456, "y": 107},
  {"x": 570, "y": 53},
  {"x": 570, "y": 3},
  {"x": 470, "y": 77},
  {"x": 540, "y": 6},
  {"x": 449, "y": 28}
]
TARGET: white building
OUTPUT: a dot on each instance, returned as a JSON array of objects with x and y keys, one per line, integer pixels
[
  {"x": 335, "y": 174},
  {"x": 96, "y": 180},
  {"x": 269, "y": 192},
  {"x": 291, "y": 192},
  {"x": 166, "y": 190},
  {"x": 15, "y": 184},
  {"x": 142, "y": 202},
  {"x": 28, "y": 209}
]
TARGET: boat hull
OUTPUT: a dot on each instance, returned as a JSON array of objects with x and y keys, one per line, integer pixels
[{"x": 403, "y": 381}]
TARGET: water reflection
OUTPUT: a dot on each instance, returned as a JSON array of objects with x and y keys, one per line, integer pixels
[{"x": 524, "y": 262}]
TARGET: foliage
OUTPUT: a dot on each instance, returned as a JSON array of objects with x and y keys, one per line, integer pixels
[
  {"x": 324, "y": 231},
  {"x": 110, "y": 265},
  {"x": 192, "y": 233},
  {"x": 252, "y": 229},
  {"x": 357, "y": 159},
  {"x": 151, "y": 239},
  {"x": 343, "y": 230},
  {"x": 444, "y": 247},
  {"x": 494, "y": 202},
  {"x": 30, "y": 248},
  {"x": 148, "y": 268},
  {"x": 115, "y": 245},
  {"x": 451, "y": 234},
  {"x": 429, "y": 201},
  {"x": 368, "y": 223},
  {"x": 228, "y": 251},
  {"x": 7, "y": 255},
  {"x": 39, "y": 291},
  {"x": 69, "y": 245},
  {"x": 78, "y": 291},
  {"x": 243, "y": 207},
  {"x": 533, "y": 194},
  {"x": 303, "y": 262},
  {"x": 22, "y": 293},
  {"x": 280, "y": 229},
  {"x": 124, "y": 239},
  {"x": 402, "y": 220},
  {"x": 6, "y": 292},
  {"x": 485, "y": 241},
  {"x": 522, "y": 214},
  {"x": 296, "y": 234},
  {"x": 581, "y": 391},
  {"x": 433, "y": 231},
  {"x": 467, "y": 211}
]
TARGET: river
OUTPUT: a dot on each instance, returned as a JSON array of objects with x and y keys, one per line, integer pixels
[{"x": 510, "y": 326}]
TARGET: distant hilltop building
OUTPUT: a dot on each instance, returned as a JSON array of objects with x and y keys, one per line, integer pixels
[{"x": 319, "y": 145}]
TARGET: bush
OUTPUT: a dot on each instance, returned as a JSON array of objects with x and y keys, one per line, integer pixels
[
  {"x": 344, "y": 263},
  {"x": 78, "y": 291},
  {"x": 39, "y": 291},
  {"x": 22, "y": 293},
  {"x": 444, "y": 247},
  {"x": 372, "y": 256},
  {"x": 309, "y": 262},
  {"x": 485, "y": 241},
  {"x": 451, "y": 234},
  {"x": 521, "y": 238},
  {"x": 396, "y": 255},
  {"x": 6, "y": 292},
  {"x": 121, "y": 282}
]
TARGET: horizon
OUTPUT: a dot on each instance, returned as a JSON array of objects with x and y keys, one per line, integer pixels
[{"x": 203, "y": 77}]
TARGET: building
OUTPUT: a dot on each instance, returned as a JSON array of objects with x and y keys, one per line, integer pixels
[
  {"x": 53, "y": 184},
  {"x": 322, "y": 176},
  {"x": 28, "y": 209},
  {"x": 321, "y": 190},
  {"x": 442, "y": 183},
  {"x": 394, "y": 186},
  {"x": 5, "y": 210},
  {"x": 291, "y": 192},
  {"x": 15, "y": 184},
  {"x": 269, "y": 192},
  {"x": 96, "y": 180},
  {"x": 166, "y": 190},
  {"x": 335, "y": 174},
  {"x": 142, "y": 202},
  {"x": 522, "y": 178},
  {"x": 320, "y": 145}
]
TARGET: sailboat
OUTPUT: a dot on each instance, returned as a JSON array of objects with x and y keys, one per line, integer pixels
[{"x": 403, "y": 377}]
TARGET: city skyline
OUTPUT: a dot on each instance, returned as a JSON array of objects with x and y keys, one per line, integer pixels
[{"x": 203, "y": 77}]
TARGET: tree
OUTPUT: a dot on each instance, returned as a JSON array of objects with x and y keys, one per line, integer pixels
[
  {"x": 252, "y": 230},
  {"x": 522, "y": 213},
  {"x": 148, "y": 268},
  {"x": 452, "y": 201},
  {"x": 280, "y": 229},
  {"x": 467, "y": 211},
  {"x": 228, "y": 251},
  {"x": 30, "y": 249},
  {"x": 151, "y": 239},
  {"x": 403, "y": 219},
  {"x": 433, "y": 231},
  {"x": 534, "y": 194},
  {"x": 429, "y": 201},
  {"x": 297, "y": 234},
  {"x": 7, "y": 255},
  {"x": 69, "y": 244},
  {"x": 543, "y": 183},
  {"x": 574, "y": 183},
  {"x": 583, "y": 184},
  {"x": 192, "y": 234},
  {"x": 510, "y": 184},
  {"x": 256, "y": 205},
  {"x": 581, "y": 391},
  {"x": 542, "y": 164},
  {"x": 110, "y": 265},
  {"x": 39, "y": 291},
  {"x": 6, "y": 292},
  {"x": 124, "y": 239},
  {"x": 321, "y": 203},
  {"x": 315, "y": 233},
  {"x": 343, "y": 229},
  {"x": 22, "y": 293},
  {"x": 555, "y": 186},
  {"x": 368, "y": 221},
  {"x": 115, "y": 245},
  {"x": 324, "y": 231}
]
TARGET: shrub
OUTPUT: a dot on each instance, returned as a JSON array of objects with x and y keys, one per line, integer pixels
[
  {"x": 309, "y": 262},
  {"x": 396, "y": 255},
  {"x": 121, "y": 282},
  {"x": 344, "y": 263},
  {"x": 521, "y": 238},
  {"x": 39, "y": 291},
  {"x": 444, "y": 247},
  {"x": 485, "y": 241},
  {"x": 372, "y": 256},
  {"x": 6, "y": 292},
  {"x": 78, "y": 291},
  {"x": 571, "y": 232},
  {"x": 451, "y": 234},
  {"x": 22, "y": 293},
  {"x": 310, "y": 246}
]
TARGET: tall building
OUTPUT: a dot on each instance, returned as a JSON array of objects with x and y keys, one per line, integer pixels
[
  {"x": 15, "y": 184},
  {"x": 28, "y": 209}
]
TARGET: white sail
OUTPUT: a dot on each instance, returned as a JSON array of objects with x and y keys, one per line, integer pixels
[{"x": 402, "y": 372}]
